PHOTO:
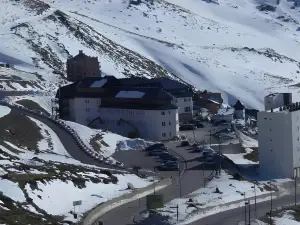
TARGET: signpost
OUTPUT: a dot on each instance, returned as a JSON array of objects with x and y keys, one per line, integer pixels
[
  {"x": 76, "y": 203},
  {"x": 176, "y": 207}
]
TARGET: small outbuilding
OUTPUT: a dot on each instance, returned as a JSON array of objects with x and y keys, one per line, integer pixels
[{"x": 239, "y": 110}]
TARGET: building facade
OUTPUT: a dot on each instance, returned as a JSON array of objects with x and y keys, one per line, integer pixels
[
  {"x": 182, "y": 93},
  {"x": 224, "y": 114},
  {"x": 81, "y": 66},
  {"x": 277, "y": 100},
  {"x": 146, "y": 112},
  {"x": 279, "y": 144}
]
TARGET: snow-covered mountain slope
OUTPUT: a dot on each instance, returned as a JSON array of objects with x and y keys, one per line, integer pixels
[
  {"x": 34, "y": 165},
  {"x": 244, "y": 49}
]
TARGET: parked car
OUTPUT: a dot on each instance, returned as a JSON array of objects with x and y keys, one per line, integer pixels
[
  {"x": 187, "y": 127},
  {"x": 210, "y": 159},
  {"x": 197, "y": 123},
  {"x": 157, "y": 152},
  {"x": 171, "y": 163},
  {"x": 154, "y": 146},
  {"x": 168, "y": 167},
  {"x": 185, "y": 143},
  {"x": 168, "y": 158},
  {"x": 198, "y": 149},
  {"x": 208, "y": 154}
]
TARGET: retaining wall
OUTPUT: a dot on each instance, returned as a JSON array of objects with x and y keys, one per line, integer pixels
[{"x": 100, "y": 210}]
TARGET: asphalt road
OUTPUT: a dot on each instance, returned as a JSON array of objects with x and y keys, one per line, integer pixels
[
  {"x": 191, "y": 180},
  {"x": 235, "y": 216},
  {"x": 66, "y": 139}
]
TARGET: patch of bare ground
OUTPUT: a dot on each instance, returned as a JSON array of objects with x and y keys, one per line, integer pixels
[
  {"x": 31, "y": 105},
  {"x": 19, "y": 130}
]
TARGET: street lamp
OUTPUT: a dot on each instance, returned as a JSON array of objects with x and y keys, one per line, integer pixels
[
  {"x": 179, "y": 180},
  {"x": 296, "y": 175},
  {"x": 249, "y": 211},
  {"x": 246, "y": 203},
  {"x": 271, "y": 202},
  {"x": 254, "y": 199}
]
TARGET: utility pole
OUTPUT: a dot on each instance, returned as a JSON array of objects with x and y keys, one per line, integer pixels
[
  {"x": 203, "y": 174},
  {"x": 220, "y": 156},
  {"x": 271, "y": 202},
  {"x": 296, "y": 174},
  {"x": 194, "y": 136},
  {"x": 246, "y": 213},
  {"x": 180, "y": 193},
  {"x": 249, "y": 212},
  {"x": 255, "y": 200},
  {"x": 210, "y": 137}
]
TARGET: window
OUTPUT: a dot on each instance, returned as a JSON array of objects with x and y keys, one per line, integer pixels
[
  {"x": 187, "y": 109},
  {"x": 162, "y": 113},
  {"x": 87, "y": 109},
  {"x": 170, "y": 123},
  {"x": 164, "y": 134},
  {"x": 170, "y": 134},
  {"x": 87, "y": 101},
  {"x": 163, "y": 124}
]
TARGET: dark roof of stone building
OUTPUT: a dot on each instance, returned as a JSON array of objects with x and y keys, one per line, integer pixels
[{"x": 238, "y": 105}]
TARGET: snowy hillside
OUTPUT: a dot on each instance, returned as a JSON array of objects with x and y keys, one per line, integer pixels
[
  {"x": 36, "y": 173},
  {"x": 242, "y": 48}
]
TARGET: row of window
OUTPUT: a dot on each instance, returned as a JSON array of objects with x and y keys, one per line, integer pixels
[
  {"x": 187, "y": 109},
  {"x": 87, "y": 101},
  {"x": 164, "y": 123},
  {"x": 164, "y": 113},
  {"x": 165, "y": 135},
  {"x": 120, "y": 111}
]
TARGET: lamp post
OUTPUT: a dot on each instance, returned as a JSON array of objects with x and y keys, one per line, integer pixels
[
  {"x": 254, "y": 199},
  {"x": 249, "y": 211},
  {"x": 296, "y": 175},
  {"x": 180, "y": 191},
  {"x": 271, "y": 202},
  {"x": 203, "y": 174},
  {"x": 246, "y": 203}
]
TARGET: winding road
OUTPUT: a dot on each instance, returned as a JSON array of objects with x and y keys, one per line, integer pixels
[{"x": 66, "y": 139}]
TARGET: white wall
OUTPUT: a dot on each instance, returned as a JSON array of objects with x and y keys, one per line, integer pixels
[
  {"x": 151, "y": 124},
  {"x": 296, "y": 137},
  {"x": 184, "y": 103},
  {"x": 275, "y": 144},
  {"x": 86, "y": 109},
  {"x": 275, "y": 100}
]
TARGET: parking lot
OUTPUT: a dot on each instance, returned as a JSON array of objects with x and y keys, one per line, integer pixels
[
  {"x": 146, "y": 162},
  {"x": 205, "y": 134}
]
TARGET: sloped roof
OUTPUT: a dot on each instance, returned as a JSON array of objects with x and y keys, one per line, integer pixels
[{"x": 238, "y": 105}]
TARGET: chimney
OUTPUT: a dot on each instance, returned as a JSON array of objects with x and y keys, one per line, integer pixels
[{"x": 80, "y": 52}]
